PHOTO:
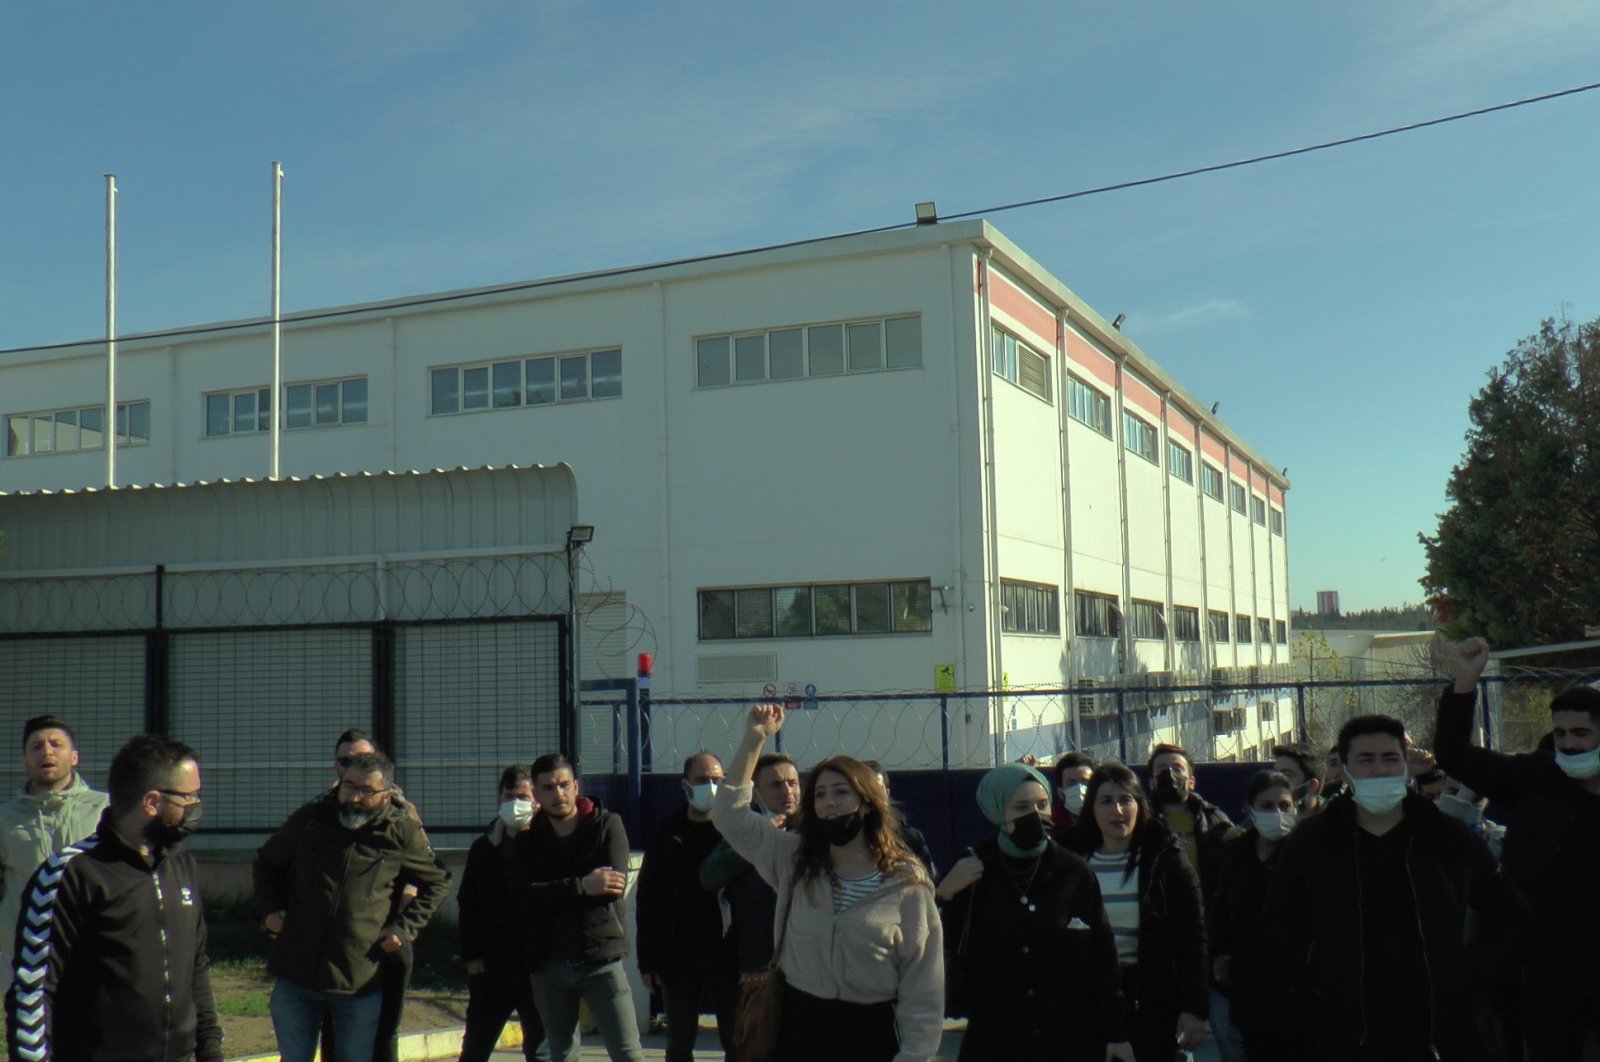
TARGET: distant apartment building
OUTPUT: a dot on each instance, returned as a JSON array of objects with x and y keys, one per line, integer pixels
[
  {"x": 1327, "y": 602},
  {"x": 891, "y": 461}
]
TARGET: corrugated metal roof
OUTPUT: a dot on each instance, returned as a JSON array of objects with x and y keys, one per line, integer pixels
[{"x": 230, "y": 521}]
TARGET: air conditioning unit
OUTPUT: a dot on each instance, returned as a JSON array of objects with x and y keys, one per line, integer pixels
[
  {"x": 1088, "y": 703},
  {"x": 1221, "y": 676}
]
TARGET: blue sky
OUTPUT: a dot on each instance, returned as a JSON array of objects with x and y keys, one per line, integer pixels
[{"x": 1342, "y": 306}]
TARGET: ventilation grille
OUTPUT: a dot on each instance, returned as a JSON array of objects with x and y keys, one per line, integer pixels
[{"x": 742, "y": 667}]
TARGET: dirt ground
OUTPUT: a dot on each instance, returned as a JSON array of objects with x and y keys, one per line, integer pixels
[{"x": 242, "y": 993}]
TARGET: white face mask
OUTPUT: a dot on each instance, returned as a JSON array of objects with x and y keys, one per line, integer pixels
[
  {"x": 1579, "y": 765},
  {"x": 516, "y": 813},
  {"x": 1458, "y": 807},
  {"x": 1380, "y": 795},
  {"x": 1274, "y": 825},
  {"x": 701, "y": 796},
  {"x": 1072, "y": 796}
]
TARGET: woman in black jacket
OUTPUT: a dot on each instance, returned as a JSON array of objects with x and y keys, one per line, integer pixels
[
  {"x": 1152, "y": 897},
  {"x": 1026, "y": 933},
  {"x": 1261, "y": 1005}
]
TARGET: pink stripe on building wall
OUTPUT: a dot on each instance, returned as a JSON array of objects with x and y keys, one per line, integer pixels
[
  {"x": 1028, "y": 314},
  {"x": 1213, "y": 448},
  {"x": 1135, "y": 391},
  {"x": 1180, "y": 425},
  {"x": 1275, "y": 495},
  {"x": 1082, "y": 354}
]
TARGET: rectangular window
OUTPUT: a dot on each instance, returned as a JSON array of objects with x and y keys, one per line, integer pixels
[
  {"x": 1139, "y": 437},
  {"x": 1088, "y": 406},
  {"x": 1185, "y": 624},
  {"x": 871, "y": 345},
  {"x": 1180, "y": 462},
  {"x": 519, "y": 382},
  {"x": 1280, "y": 630},
  {"x": 1029, "y": 608},
  {"x": 816, "y": 611},
  {"x": 61, "y": 431},
  {"x": 1241, "y": 629},
  {"x": 1277, "y": 521},
  {"x": 1258, "y": 510},
  {"x": 1210, "y": 481},
  {"x": 1263, "y": 631},
  {"x": 1144, "y": 620},
  {"x": 1237, "y": 499},
  {"x": 306, "y": 405},
  {"x": 1219, "y": 625},
  {"x": 1021, "y": 364},
  {"x": 1097, "y": 615}
]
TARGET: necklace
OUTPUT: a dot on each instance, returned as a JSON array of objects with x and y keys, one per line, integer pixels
[{"x": 1025, "y": 887}]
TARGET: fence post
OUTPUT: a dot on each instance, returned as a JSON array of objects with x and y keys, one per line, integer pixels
[
  {"x": 1305, "y": 725},
  {"x": 944, "y": 731},
  {"x": 156, "y": 672},
  {"x": 383, "y": 684},
  {"x": 1488, "y": 715},
  {"x": 1122, "y": 729},
  {"x": 638, "y": 695}
]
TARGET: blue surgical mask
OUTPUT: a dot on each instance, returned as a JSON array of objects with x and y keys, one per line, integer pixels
[
  {"x": 1274, "y": 825},
  {"x": 1380, "y": 795},
  {"x": 701, "y": 796},
  {"x": 1579, "y": 765}
]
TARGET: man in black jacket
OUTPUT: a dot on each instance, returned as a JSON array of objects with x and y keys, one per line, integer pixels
[
  {"x": 568, "y": 876},
  {"x": 753, "y": 905},
  {"x": 325, "y": 884},
  {"x": 680, "y": 924},
  {"x": 111, "y": 943},
  {"x": 1551, "y": 851},
  {"x": 1376, "y": 890}
]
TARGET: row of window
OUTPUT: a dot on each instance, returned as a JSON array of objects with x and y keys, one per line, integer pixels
[
  {"x": 326, "y": 404},
  {"x": 1031, "y": 608},
  {"x": 53, "y": 431},
  {"x": 1014, "y": 360},
  {"x": 817, "y": 610},
  {"x": 809, "y": 350},
  {"x": 540, "y": 381}
]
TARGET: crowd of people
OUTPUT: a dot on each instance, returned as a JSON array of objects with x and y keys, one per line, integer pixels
[{"x": 1362, "y": 909}]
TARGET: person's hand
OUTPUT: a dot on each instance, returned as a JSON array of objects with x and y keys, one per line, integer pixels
[
  {"x": 602, "y": 881},
  {"x": 652, "y": 981},
  {"x": 274, "y": 922},
  {"x": 1191, "y": 1031},
  {"x": 1222, "y": 970},
  {"x": 1472, "y": 656},
  {"x": 1120, "y": 1052},
  {"x": 967, "y": 870},
  {"x": 475, "y": 967},
  {"x": 766, "y": 720},
  {"x": 391, "y": 943},
  {"x": 777, "y": 821}
]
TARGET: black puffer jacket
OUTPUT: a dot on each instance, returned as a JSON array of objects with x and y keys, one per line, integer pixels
[
  {"x": 111, "y": 959},
  {"x": 1315, "y": 909},
  {"x": 338, "y": 888},
  {"x": 555, "y": 920},
  {"x": 678, "y": 921},
  {"x": 1552, "y": 842},
  {"x": 486, "y": 921}
]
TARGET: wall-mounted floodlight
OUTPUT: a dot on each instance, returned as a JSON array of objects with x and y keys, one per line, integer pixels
[
  {"x": 1117, "y": 324},
  {"x": 927, "y": 214},
  {"x": 580, "y": 534}
]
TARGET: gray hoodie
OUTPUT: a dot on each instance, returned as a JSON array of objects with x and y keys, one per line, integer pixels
[{"x": 34, "y": 827}]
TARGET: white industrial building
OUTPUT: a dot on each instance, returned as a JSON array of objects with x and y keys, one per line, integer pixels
[{"x": 909, "y": 460}]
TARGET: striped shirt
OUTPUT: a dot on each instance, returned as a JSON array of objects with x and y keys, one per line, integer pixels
[
  {"x": 1121, "y": 899},
  {"x": 847, "y": 891}
]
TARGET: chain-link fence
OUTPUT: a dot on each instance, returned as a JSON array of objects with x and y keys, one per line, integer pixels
[{"x": 448, "y": 663}]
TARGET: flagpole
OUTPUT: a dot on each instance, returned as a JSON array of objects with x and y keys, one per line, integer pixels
[
  {"x": 277, "y": 321},
  {"x": 109, "y": 432}
]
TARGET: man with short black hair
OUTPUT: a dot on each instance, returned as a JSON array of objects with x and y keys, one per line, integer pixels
[
  {"x": 1378, "y": 888},
  {"x": 1551, "y": 849},
  {"x": 1199, "y": 825},
  {"x": 752, "y": 903},
  {"x": 680, "y": 924},
  {"x": 1071, "y": 771},
  {"x": 54, "y": 808},
  {"x": 569, "y": 871},
  {"x": 325, "y": 883},
  {"x": 111, "y": 946},
  {"x": 1298, "y": 763}
]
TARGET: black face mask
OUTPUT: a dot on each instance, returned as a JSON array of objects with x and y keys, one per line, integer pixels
[
  {"x": 166, "y": 834},
  {"x": 1027, "y": 833},
  {"x": 842, "y": 830},
  {"x": 1167, "y": 791}
]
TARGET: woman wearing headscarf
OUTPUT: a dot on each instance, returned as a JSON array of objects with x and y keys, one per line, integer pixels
[
  {"x": 856, "y": 928},
  {"x": 1152, "y": 897},
  {"x": 1026, "y": 925}
]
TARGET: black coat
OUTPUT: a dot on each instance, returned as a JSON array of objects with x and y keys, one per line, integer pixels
[
  {"x": 1038, "y": 982},
  {"x": 671, "y": 905},
  {"x": 545, "y": 872},
  {"x": 1552, "y": 842},
  {"x": 486, "y": 925},
  {"x": 1315, "y": 908},
  {"x": 1258, "y": 999},
  {"x": 111, "y": 958}
]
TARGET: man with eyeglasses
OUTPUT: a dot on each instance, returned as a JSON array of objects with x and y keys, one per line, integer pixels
[
  {"x": 325, "y": 885},
  {"x": 111, "y": 942}
]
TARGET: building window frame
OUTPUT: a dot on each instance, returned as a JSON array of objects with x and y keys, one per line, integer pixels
[
  {"x": 1241, "y": 629},
  {"x": 806, "y": 351},
  {"x": 1276, "y": 517},
  {"x": 1029, "y": 608},
  {"x": 1211, "y": 479},
  {"x": 815, "y": 610},
  {"x": 1238, "y": 499},
  {"x": 1088, "y": 405},
  {"x": 1018, "y": 363},
  {"x": 1258, "y": 511},
  {"x": 1180, "y": 461},
  {"x": 1220, "y": 628},
  {"x": 1139, "y": 436},
  {"x": 1185, "y": 623},
  {"x": 1146, "y": 620},
  {"x": 1096, "y": 615},
  {"x": 26, "y": 430},
  {"x": 564, "y": 378}
]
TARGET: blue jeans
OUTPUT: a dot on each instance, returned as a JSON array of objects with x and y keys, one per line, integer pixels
[
  {"x": 297, "y": 1022},
  {"x": 1229, "y": 1041},
  {"x": 557, "y": 988}
]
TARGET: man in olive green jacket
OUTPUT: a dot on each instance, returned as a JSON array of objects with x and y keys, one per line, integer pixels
[
  {"x": 54, "y": 808},
  {"x": 326, "y": 884}
]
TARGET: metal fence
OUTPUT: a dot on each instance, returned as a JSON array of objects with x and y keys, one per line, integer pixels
[{"x": 447, "y": 663}]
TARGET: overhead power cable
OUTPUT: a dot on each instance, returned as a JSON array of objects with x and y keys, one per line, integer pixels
[{"x": 533, "y": 285}]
